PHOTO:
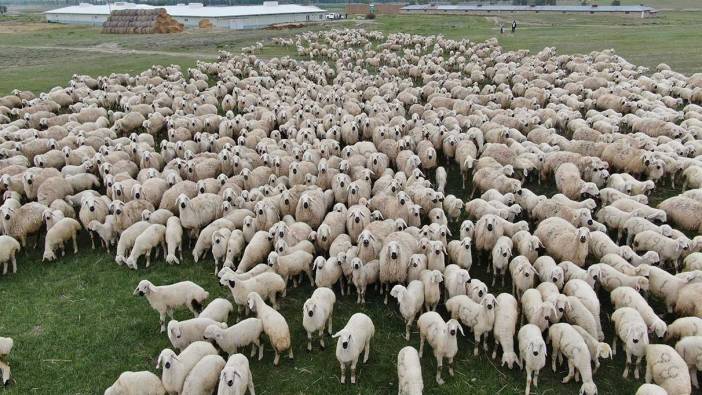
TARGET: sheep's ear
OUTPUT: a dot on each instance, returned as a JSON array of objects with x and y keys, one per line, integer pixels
[
  {"x": 158, "y": 362},
  {"x": 460, "y": 328},
  {"x": 337, "y": 334}
]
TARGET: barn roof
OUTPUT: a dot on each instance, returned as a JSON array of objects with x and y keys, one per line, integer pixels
[
  {"x": 192, "y": 9},
  {"x": 522, "y": 8}
]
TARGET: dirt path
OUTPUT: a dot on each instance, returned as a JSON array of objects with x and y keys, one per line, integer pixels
[{"x": 116, "y": 49}]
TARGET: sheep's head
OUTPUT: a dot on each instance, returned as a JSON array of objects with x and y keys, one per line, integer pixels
[
  {"x": 167, "y": 358},
  {"x": 453, "y": 327},
  {"x": 393, "y": 250},
  {"x": 583, "y": 235},
  {"x": 144, "y": 288}
]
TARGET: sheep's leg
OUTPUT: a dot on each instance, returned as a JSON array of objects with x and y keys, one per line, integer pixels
[
  {"x": 92, "y": 240},
  {"x": 476, "y": 338},
  {"x": 485, "y": 341},
  {"x": 252, "y": 390},
  {"x": 571, "y": 372},
  {"x": 238, "y": 313},
  {"x": 693, "y": 377},
  {"x": 353, "y": 370},
  {"x": 274, "y": 303},
  {"x": 260, "y": 350},
  {"x": 527, "y": 390},
  {"x": 75, "y": 244},
  {"x": 330, "y": 323},
  {"x": 367, "y": 351},
  {"x": 148, "y": 258},
  {"x": 494, "y": 350},
  {"x": 554, "y": 357},
  {"x": 309, "y": 341},
  {"x": 162, "y": 321},
  {"x": 638, "y": 363},
  {"x": 439, "y": 361},
  {"x": 254, "y": 344},
  {"x": 536, "y": 378},
  {"x": 408, "y": 326},
  {"x": 290, "y": 353},
  {"x": 614, "y": 346},
  {"x": 450, "y": 366},
  {"x": 321, "y": 339},
  {"x": 276, "y": 360},
  {"x": 649, "y": 374},
  {"x": 386, "y": 296},
  {"x": 421, "y": 344},
  {"x": 5, "y": 373},
  {"x": 626, "y": 366},
  {"x": 285, "y": 291},
  {"x": 343, "y": 372}
]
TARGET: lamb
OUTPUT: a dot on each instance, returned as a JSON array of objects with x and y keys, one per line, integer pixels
[
  {"x": 235, "y": 247},
  {"x": 22, "y": 222},
  {"x": 536, "y": 310},
  {"x": 107, "y": 231},
  {"x": 237, "y": 336},
  {"x": 92, "y": 209},
  {"x": 632, "y": 330},
  {"x": 177, "y": 367},
  {"x": 480, "y": 317},
  {"x": 563, "y": 241},
  {"x": 174, "y": 240},
  {"x": 204, "y": 239},
  {"x": 62, "y": 231},
  {"x": 409, "y": 372},
  {"x": 432, "y": 291},
  {"x": 410, "y": 300},
  {"x": 690, "y": 349},
  {"x": 460, "y": 252},
  {"x": 566, "y": 341},
  {"x": 166, "y": 298},
  {"x": 527, "y": 245},
  {"x": 327, "y": 272},
  {"x": 442, "y": 337},
  {"x": 455, "y": 280},
  {"x": 596, "y": 348},
  {"x": 9, "y": 247},
  {"x": 217, "y": 310},
  {"x": 267, "y": 285},
  {"x": 127, "y": 239},
  {"x": 501, "y": 253},
  {"x": 684, "y": 326},
  {"x": 523, "y": 275},
  {"x": 183, "y": 333},
  {"x": 667, "y": 368},
  {"x": 274, "y": 325},
  {"x": 293, "y": 264},
  {"x": 532, "y": 353},
  {"x": 236, "y": 377},
  {"x": 256, "y": 251},
  {"x": 143, "y": 382},
  {"x": 151, "y": 237},
  {"x": 506, "y": 313},
  {"x": 204, "y": 376},
  {"x": 581, "y": 290},
  {"x": 6, "y": 344},
  {"x": 219, "y": 241},
  {"x": 354, "y": 338},
  {"x": 317, "y": 314},
  {"x": 650, "y": 389},
  {"x": 364, "y": 275},
  {"x": 629, "y": 297},
  {"x": 669, "y": 250},
  {"x": 665, "y": 286},
  {"x": 548, "y": 271}
]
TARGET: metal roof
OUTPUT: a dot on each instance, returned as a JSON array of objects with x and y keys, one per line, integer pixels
[
  {"x": 192, "y": 9},
  {"x": 518, "y": 8}
]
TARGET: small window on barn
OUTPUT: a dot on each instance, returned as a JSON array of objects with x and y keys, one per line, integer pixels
[{"x": 186, "y": 19}]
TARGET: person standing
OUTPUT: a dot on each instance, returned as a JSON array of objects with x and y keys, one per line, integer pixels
[
  {"x": 514, "y": 25},
  {"x": 502, "y": 28}
]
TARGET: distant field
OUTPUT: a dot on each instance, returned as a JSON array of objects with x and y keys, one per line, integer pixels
[{"x": 38, "y": 56}]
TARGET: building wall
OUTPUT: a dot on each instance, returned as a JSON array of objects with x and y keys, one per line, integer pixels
[
  {"x": 237, "y": 23},
  {"x": 644, "y": 14},
  {"x": 380, "y": 9}
]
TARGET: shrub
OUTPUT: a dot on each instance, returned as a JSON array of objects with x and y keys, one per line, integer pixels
[{"x": 616, "y": 2}]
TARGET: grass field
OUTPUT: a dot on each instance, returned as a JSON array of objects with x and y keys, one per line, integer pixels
[{"x": 75, "y": 322}]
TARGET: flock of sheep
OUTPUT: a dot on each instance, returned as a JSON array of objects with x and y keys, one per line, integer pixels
[{"x": 333, "y": 170}]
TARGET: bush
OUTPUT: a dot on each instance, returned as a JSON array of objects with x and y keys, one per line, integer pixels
[
  {"x": 370, "y": 15},
  {"x": 616, "y": 2}
]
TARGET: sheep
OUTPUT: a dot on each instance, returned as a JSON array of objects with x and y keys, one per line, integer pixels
[
  {"x": 106, "y": 231},
  {"x": 665, "y": 286},
  {"x": 432, "y": 291},
  {"x": 532, "y": 353},
  {"x": 667, "y": 368},
  {"x": 480, "y": 317},
  {"x": 267, "y": 285},
  {"x": 166, "y": 298},
  {"x": 460, "y": 252},
  {"x": 317, "y": 314},
  {"x": 563, "y": 241},
  {"x": 629, "y": 297},
  {"x": 183, "y": 333},
  {"x": 256, "y": 251},
  {"x": 136, "y": 383},
  {"x": 274, "y": 325},
  {"x": 9, "y": 247},
  {"x": 690, "y": 349},
  {"x": 410, "y": 299},
  {"x": 523, "y": 275},
  {"x": 235, "y": 377},
  {"x": 235, "y": 247},
  {"x": 237, "y": 336},
  {"x": 577, "y": 313},
  {"x": 536, "y": 310},
  {"x": 684, "y": 211},
  {"x": 610, "y": 278},
  {"x": 527, "y": 245},
  {"x": 354, "y": 338},
  {"x": 687, "y": 305},
  {"x": 394, "y": 258},
  {"x": 597, "y": 349},
  {"x": 127, "y": 239},
  {"x": 217, "y": 310},
  {"x": 198, "y": 211},
  {"x": 293, "y": 264},
  {"x": 455, "y": 280},
  {"x": 506, "y": 313},
  {"x": 581, "y": 290},
  {"x": 501, "y": 254},
  {"x": 650, "y": 389},
  {"x": 151, "y": 237},
  {"x": 62, "y": 231},
  {"x": 327, "y": 271},
  {"x": 566, "y": 341},
  {"x": 22, "y": 222},
  {"x": 409, "y": 372},
  {"x": 684, "y": 326},
  {"x": 204, "y": 376},
  {"x": 669, "y": 250},
  {"x": 364, "y": 275},
  {"x": 219, "y": 241},
  {"x": 204, "y": 239},
  {"x": 548, "y": 271},
  {"x": 6, "y": 344},
  {"x": 442, "y": 337},
  {"x": 177, "y": 367}
]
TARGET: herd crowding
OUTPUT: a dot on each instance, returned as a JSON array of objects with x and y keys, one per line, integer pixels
[{"x": 333, "y": 170}]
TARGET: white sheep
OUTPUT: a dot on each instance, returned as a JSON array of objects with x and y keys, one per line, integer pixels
[
  {"x": 548, "y": 271},
  {"x": 432, "y": 289},
  {"x": 537, "y": 311},
  {"x": 182, "y": 333},
  {"x": 566, "y": 341},
  {"x": 532, "y": 353},
  {"x": 354, "y": 338},
  {"x": 629, "y": 297},
  {"x": 64, "y": 230},
  {"x": 669, "y": 250},
  {"x": 460, "y": 252},
  {"x": 505, "y": 326},
  {"x": 166, "y": 298},
  {"x": 501, "y": 254},
  {"x": 217, "y": 310},
  {"x": 9, "y": 247},
  {"x": 268, "y": 285},
  {"x": 177, "y": 366},
  {"x": 6, "y": 344},
  {"x": 204, "y": 376},
  {"x": 409, "y": 372},
  {"x": 410, "y": 300},
  {"x": 240, "y": 335},
  {"x": 563, "y": 241},
  {"x": 152, "y": 237},
  {"x": 684, "y": 326},
  {"x": 136, "y": 383},
  {"x": 650, "y": 389},
  {"x": 235, "y": 378},
  {"x": 174, "y": 240},
  {"x": 442, "y": 337},
  {"x": 586, "y": 295},
  {"x": 597, "y": 349},
  {"x": 480, "y": 317},
  {"x": 690, "y": 349},
  {"x": 665, "y": 367},
  {"x": 364, "y": 275},
  {"x": 127, "y": 238},
  {"x": 274, "y": 325},
  {"x": 292, "y": 265},
  {"x": 317, "y": 314},
  {"x": 523, "y": 275}
]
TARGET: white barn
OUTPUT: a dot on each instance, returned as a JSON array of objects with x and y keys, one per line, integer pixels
[{"x": 234, "y": 17}]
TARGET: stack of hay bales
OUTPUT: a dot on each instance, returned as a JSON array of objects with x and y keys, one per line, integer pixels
[{"x": 150, "y": 21}]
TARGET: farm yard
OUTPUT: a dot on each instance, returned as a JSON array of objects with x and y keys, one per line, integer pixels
[{"x": 75, "y": 321}]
